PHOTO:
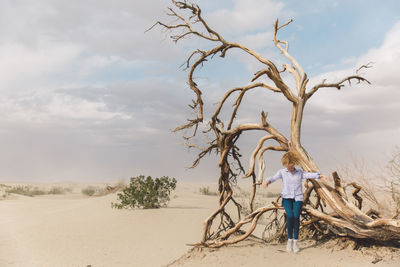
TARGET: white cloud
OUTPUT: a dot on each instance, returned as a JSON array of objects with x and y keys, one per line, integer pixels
[
  {"x": 63, "y": 107},
  {"x": 101, "y": 27},
  {"x": 75, "y": 108},
  {"x": 69, "y": 89},
  {"x": 246, "y": 16},
  {"x": 383, "y": 77},
  {"x": 257, "y": 41},
  {"x": 384, "y": 58},
  {"x": 361, "y": 118},
  {"x": 348, "y": 60},
  {"x": 51, "y": 107},
  {"x": 22, "y": 67}
]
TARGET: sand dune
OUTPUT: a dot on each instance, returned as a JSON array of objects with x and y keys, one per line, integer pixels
[{"x": 75, "y": 230}]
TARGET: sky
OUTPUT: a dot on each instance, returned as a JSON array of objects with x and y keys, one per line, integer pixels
[{"x": 87, "y": 95}]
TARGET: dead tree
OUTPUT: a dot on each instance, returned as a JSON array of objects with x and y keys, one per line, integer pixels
[{"x": 346, "y": 219}]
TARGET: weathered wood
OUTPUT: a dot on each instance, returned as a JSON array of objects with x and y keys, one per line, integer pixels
[
  {"x": 357, "y": 189},
  {"x": 338, "y": 185}
]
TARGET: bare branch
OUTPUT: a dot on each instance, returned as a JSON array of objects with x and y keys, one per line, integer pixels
[
  {"x": 254, "y": 154},
  {"x": 203, "y": 152},
  {"x": 338, "y": 185},
  {"x": 187, "y": 63},
  {"x": 261, "y": 161},
  {"x": 198, "y": 103},
  {"x": 357, "y": 189},
  {"x": 283, "y": 25},
  {"x": 337, "y": 85},
  {"x": 264, "y": 118},
  {"x": 367, "y": 66},
  {"x": 253, "y": 218},
  {"x": 190, "y": 124},
  {"x": 286, "y": 43},
  {"x": 208, "y": 221},
  {"x": 253, "y": 126},
  {"x": 274, "y": 75},
  {"x": 196, "y": 11},
  {"x": 241, "y": 95},
  {"x": 284, "y": 51}
]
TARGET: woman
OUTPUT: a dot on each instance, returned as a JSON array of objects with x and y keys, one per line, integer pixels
[{"x": 292, "y": 195}]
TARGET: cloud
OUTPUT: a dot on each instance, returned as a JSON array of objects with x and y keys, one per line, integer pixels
[
  {"x": 257, "y": 41},
  {"x": 246, "y": 16},
  {"x": 383, "y": 89},
  {"x": 361, "y": 118},
  {"x": 86, "y": 94},
  {"x": 74, "y": 97},
  {"x": 50, "y": 49},
  {"x": 383, "y": 59},
  {"x": 99, "y": 27},
  {"x": 20, "y": 64}
]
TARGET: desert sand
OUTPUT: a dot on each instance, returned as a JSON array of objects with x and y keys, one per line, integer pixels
[{"x": 77, "y": 230}]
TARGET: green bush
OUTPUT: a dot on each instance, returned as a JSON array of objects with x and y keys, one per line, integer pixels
[{"x": 146, "y": 193}]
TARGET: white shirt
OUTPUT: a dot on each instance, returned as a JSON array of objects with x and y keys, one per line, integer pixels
[{"x": 292, "y": 182}]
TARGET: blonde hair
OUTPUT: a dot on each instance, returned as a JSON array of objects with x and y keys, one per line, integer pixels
[{"x": 289, "y": 158}]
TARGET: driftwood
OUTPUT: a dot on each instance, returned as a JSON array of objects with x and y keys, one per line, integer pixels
[{"x": 345, "y": 218}]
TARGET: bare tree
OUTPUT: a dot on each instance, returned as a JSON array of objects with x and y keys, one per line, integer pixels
[{"x": 346, "y": 219}]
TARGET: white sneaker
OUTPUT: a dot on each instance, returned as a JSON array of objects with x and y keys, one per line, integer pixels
[
  {"x": 295, "y": 246},
  {"x": 289, "y": 245}
]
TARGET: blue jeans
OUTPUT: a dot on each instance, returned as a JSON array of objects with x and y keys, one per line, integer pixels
[{"x": 292, "y": 209}]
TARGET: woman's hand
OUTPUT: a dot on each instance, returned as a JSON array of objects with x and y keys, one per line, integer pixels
[{"x": 266, "y": 183}]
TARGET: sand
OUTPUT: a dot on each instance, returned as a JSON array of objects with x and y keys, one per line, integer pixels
[
  {"x": 256, "y": 254},
  {"x": 76, "y": 230}
]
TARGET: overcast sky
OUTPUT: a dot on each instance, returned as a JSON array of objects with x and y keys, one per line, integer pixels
[{"x": 86, "y": 95}]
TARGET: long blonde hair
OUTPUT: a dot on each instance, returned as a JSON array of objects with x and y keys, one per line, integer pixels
[{"x": 289, "y": 158}]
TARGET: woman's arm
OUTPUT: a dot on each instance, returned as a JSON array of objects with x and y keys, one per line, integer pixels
[
  {"x": 316, "y": 175},
  {"x": 266, "y": 183},
  {"x": 272, "y": 179},
  {"x": 311, "y": 175}
]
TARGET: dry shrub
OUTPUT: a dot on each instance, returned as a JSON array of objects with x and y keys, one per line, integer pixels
[
  {"x": 26, "y": 190},
  {"x": 89, "y": 190},
  {"x": 58, "y": 190},
  {"x": 205, "y": 190},
  {"x": 393, "y": 183},
  {"x": 104, "y": 190},
  {"x": 380, "y": 184}
]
